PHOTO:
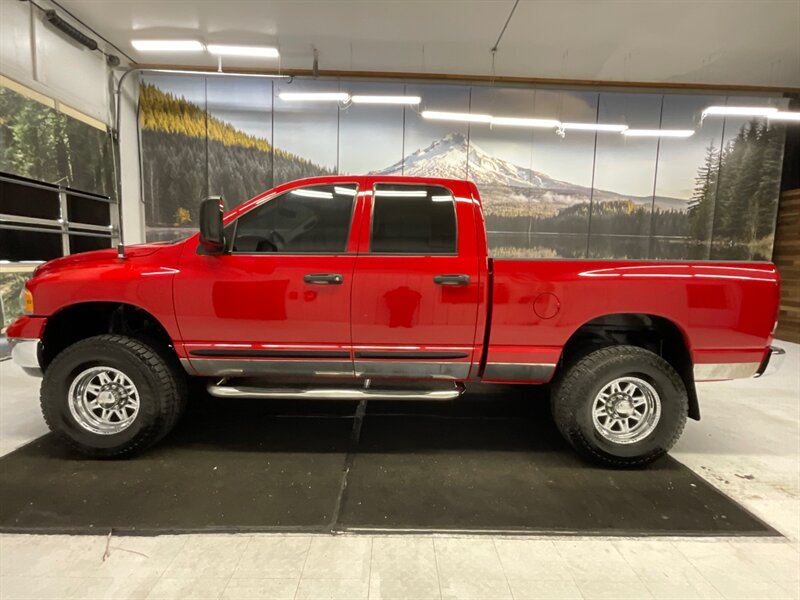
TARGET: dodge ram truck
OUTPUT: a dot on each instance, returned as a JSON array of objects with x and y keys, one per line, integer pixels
[{"x": 378, "y": 288}]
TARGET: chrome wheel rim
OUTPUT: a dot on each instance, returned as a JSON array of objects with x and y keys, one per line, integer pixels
[
  {"x": 626, "y": 410},
  {"x": 103, "y": 400}
]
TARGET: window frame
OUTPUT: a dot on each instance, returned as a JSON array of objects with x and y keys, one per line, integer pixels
[
  {"x": 370, "y": 251},
  {"x": 345, "y": 252}
]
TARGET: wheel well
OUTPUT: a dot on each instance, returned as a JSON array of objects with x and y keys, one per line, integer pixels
[
  {"x": 654, "y": 333},
  {"x": 80, "y": 321}
]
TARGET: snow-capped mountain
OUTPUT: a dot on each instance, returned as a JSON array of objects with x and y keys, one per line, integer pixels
[{"x": 447, "y": 157}]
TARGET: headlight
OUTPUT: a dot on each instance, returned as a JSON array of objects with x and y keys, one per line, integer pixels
[{"x": 26, "y": 301}]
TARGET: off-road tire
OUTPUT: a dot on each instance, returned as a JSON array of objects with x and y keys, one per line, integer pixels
[
  {"x": 156, "y": 375},
  {"x": 576, "y": 387}
]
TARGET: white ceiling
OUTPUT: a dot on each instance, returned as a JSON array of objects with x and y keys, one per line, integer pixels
[{"x": 738, "y": 42}]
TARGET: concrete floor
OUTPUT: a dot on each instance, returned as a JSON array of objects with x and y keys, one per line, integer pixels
[{"x": 747, "y": 445}]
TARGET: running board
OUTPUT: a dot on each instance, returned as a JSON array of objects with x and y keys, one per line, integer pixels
[{"x": 245, "y": 391}]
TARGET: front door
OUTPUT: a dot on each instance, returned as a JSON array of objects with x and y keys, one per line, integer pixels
[
  {"x": 416, "y": 285},
  {"x": 279, "y": 302}
]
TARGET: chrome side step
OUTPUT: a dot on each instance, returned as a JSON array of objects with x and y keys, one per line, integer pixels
[{"x": 246, "y": 391}]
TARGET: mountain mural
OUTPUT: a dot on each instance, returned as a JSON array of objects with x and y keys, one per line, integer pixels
[
  {"x": 453, "y": 156},
  {"x": 188, "y": 154}
]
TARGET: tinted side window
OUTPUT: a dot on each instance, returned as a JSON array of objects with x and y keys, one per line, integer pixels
[
  {"x": 413, "y": 219},
  {"x": 310, "y": 219}
]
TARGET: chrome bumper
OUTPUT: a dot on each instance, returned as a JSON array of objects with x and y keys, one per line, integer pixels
[
  {"x": 724, "y": 371},
  {"x": 25, "y": 353},
  {"x": 772, "y": 361}
]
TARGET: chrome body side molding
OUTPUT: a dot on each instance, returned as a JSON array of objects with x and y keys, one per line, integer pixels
[
  {"x": 230, "y": 367},
  {"x": 519, "y": 371},
  {"x": 412, "y": 369}
]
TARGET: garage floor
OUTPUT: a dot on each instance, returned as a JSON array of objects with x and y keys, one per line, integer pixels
[{"x": 748, "y": 446}]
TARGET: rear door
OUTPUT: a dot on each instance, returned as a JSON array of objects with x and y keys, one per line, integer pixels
[{"x": 416, "y": 285}]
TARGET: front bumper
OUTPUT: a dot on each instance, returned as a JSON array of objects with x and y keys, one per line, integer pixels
[
  {"x": 772, "y": 361},
  {"x": 25, "y": 352}
]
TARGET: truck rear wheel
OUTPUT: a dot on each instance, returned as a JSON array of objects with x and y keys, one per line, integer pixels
[
  {"x": 620, "y": 406},
  {"x": 112, "y": 395}
]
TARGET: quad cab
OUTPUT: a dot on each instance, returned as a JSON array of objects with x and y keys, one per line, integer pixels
[{"x": 383, "y": 288}]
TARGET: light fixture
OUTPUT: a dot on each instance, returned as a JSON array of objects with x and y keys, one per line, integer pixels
[
  {"x": 312, "y": 193},
  {"x": 784, "y": 115},
  {"x": 76, "y": 34},
  {"x": 314, "y": 96},
  {"x": 217, "y": 73},
  {"x": 167, "y": 45},
  {"x": 386, "y": 99},
  {"x": 522, "y": 122},
  {"x": 739, "y": 111},
  {"x": 676, "y": 133},
  {"x": 455, "y": 116},
  {"x": 226, "y": 50},
  {"x": 594, "y": 127}
]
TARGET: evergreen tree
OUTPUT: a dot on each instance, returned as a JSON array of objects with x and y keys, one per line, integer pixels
[
  {"x": 768, "y": 190},
  {"x": 701, "y": 203}
]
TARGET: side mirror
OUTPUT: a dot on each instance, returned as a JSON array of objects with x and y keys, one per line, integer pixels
[{"x": 212, "y": 234}]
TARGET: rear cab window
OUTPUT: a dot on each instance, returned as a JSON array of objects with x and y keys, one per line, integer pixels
[{"x": 413, "y": 219}]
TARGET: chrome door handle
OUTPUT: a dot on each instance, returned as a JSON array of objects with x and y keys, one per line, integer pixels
[
  {"x": 451, "y": 279},
  {"x": 323, "y": 278}
]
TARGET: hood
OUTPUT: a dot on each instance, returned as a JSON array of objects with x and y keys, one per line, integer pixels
[{"x": 94, "y": 256}]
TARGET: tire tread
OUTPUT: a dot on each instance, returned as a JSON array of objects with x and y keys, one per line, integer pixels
[
  {"x": 565, "y": 389},
  {"x": 169, "y": 397}
]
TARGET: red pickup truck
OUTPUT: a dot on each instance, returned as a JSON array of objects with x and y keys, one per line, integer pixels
[{"x": 382, "y": 288}]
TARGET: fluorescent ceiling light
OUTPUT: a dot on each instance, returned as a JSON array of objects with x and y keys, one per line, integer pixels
[
  {"x": 594, "y": 127},
  {"x": 741, "y": 111},
  {"x": 784, "y": 115},
  {"x": 678, "y": 133},
  {"x": 215, "y": 73},
  {"x": 226, "y": 50},
  {"x": 521, "y": 122},
  {"x": 343, "y": 191},
  {"x": 442, "y": 198},
  {"x": 386, "y": 99},
  {"x": 455, "y": 116},
  {"x": 167, "y": 45},
  {"x": 403, "y": 193},
  {"x": 312, "y": 193},
  {"x": 314, "y": 96}
]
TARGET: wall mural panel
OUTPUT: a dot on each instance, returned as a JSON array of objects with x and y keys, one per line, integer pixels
[
  {"x": 41, "y": 143},
  {"x": 239, "y": 137},
  {"x": 370, "y": 135},
  {"x": 547, "y": 192},
  {"x": 306, "y": 134}
]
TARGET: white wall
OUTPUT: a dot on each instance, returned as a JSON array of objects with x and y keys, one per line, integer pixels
[
  {"x": 36, "y": 55},
  {"x": 42, "y": 58}
]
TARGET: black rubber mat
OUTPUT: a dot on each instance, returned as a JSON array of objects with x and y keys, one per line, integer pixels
[
  {"x": 232, "y": 466},
  {"x": 485, "y": 464}
]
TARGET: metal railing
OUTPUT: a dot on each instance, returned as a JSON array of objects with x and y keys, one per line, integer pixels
[{"x": 63, "y": 225}]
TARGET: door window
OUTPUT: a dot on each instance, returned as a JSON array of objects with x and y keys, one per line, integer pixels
[
  {"x": 413, "y": 219},
  {"x": 308, "y": 220}
]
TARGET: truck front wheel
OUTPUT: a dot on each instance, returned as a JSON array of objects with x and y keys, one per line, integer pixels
[
  {"x": 111, "y": 395},
  {"x": 620, "y": 406}
]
